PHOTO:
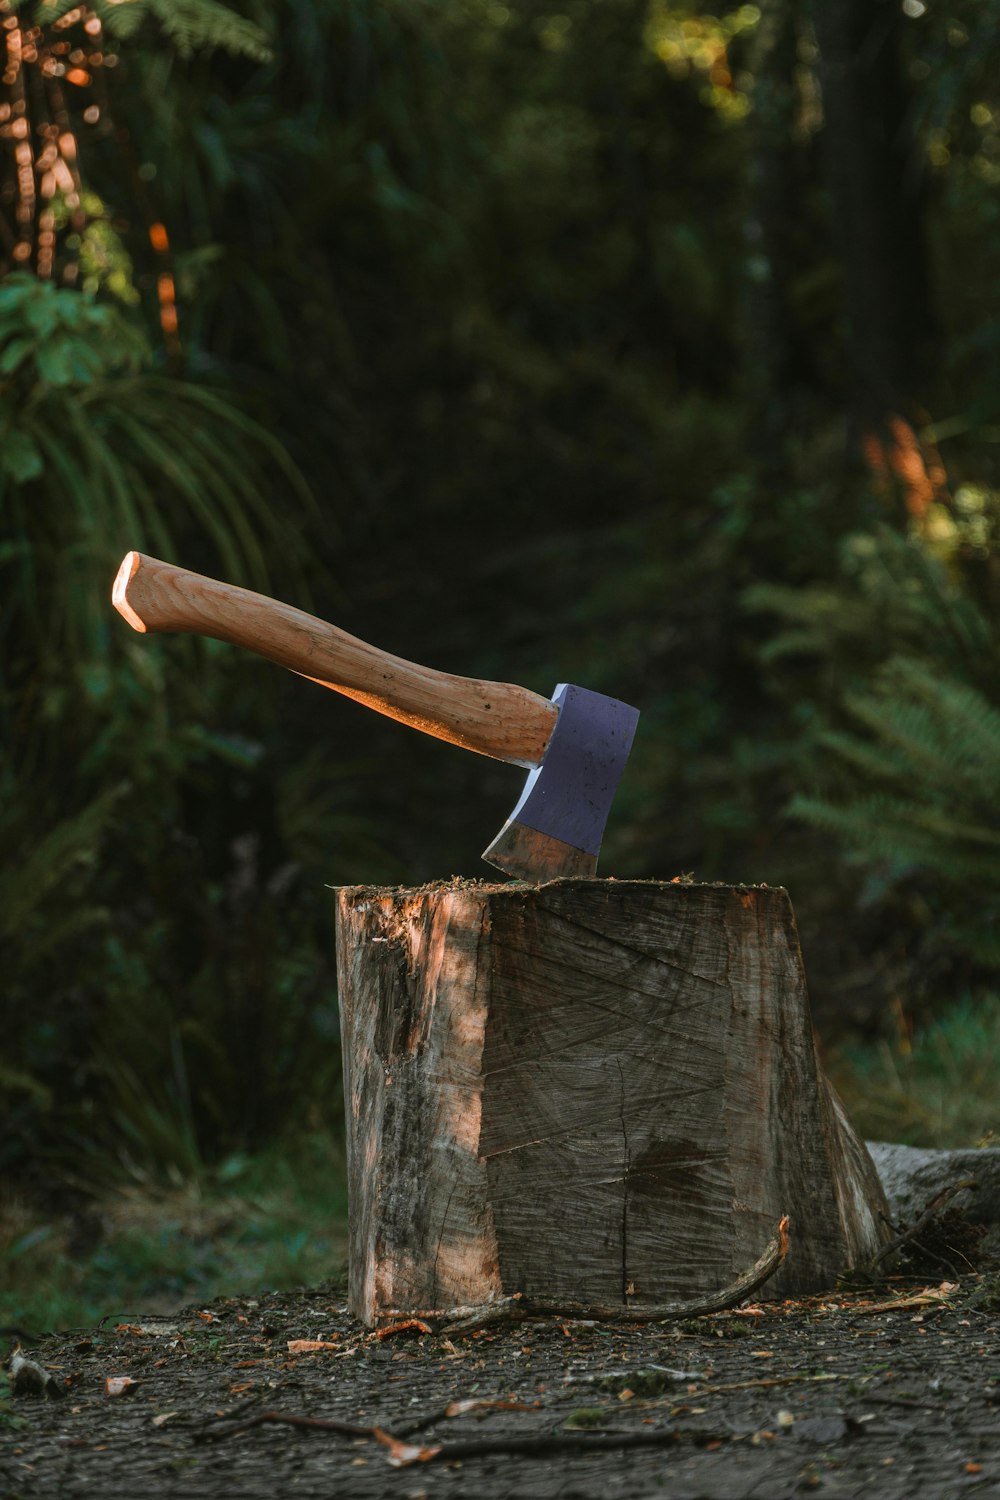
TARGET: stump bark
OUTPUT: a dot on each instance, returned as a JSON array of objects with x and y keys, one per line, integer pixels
[{"x": 604, "y": 1090}]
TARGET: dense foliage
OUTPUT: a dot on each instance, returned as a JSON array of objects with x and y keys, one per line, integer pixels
[{"x": 529, "y": 341}]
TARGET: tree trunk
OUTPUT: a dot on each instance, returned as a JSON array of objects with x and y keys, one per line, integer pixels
[
  {"x": 604, "y": 1090},
  {"x": 773, "y": 363},
  {"x": 876, "y": 183}
]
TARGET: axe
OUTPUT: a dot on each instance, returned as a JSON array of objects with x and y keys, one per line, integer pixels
[{"x": 574, "y": 746}]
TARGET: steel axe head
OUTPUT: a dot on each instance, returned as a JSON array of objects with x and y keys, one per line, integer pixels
[{"x": 558, "y": 824}]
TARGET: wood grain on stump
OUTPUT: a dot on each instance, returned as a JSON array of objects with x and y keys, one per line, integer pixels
[{"x": 601, "y": 1089}]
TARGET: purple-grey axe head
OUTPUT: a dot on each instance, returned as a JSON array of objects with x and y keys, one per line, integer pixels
[
  {"x": 558, "y": 824},
  {"x": 574, "y": 745}
]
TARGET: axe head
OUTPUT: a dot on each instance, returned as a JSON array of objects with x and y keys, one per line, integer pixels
[{"x": 558, "y": 824}]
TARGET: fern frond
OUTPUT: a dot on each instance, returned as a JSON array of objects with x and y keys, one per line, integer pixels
[
  {"x": 192, "y": 25},
  {"x": 871, "y": 759},
  {"x": 923, "y": 746},
  {"x": 894, "y": 594},
  {"x": 964, "y": 719},
  {"x": 900, "y": 833},
  {"x": 912, "y": 778},
  {"x": 947, "y": 732}
]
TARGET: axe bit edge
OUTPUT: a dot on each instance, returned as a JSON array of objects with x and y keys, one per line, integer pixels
[{"x": 558, "y": 824}]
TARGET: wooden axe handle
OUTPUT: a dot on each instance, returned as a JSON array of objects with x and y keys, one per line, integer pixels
[{"x": 495, "y": 718}]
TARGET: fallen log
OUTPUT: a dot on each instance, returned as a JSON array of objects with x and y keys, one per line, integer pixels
[{"x": 589, "y": 1092}]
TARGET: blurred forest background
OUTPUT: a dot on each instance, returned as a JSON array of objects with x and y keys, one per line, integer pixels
[{"x": 650, "y": 345}]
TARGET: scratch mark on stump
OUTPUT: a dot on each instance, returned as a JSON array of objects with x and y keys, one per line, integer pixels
[
  {"x": 625, "y": 1184},
  {"x": 440, "y": 1238}
]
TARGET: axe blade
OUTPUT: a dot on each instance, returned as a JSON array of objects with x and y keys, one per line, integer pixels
[{"x": 557, "y": 827}]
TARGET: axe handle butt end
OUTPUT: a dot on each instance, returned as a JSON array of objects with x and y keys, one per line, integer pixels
[{"x": 499, "y": 719}]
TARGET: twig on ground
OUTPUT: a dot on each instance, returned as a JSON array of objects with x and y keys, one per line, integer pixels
[
  {"x": 877, "y": 1399},
  {"x": 549, "y": 1443},
  {"x": 927, "y": 1214},
  {"x": 516, "y": 1308},
  {"x": 227, "y": 1426},
  {"x": 922, "y": 1302},
  {"x": 401, "y": 1453},
  {"x": 460, "y": 1409},
  {"x": 766, "y": 1383},
  {"x": 225, "y": 1429}
]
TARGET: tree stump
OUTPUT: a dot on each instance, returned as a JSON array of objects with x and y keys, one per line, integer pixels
[{"x": 599, "y": 1089}]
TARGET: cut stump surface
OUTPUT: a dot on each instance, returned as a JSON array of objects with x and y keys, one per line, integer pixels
[{"x": 604, "y": 1090}]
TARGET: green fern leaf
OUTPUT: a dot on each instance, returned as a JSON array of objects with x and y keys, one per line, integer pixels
[{"x": 192, "y": 25}]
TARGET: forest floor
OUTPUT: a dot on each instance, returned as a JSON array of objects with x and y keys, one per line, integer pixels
[{"x": 893, "y": 1391}]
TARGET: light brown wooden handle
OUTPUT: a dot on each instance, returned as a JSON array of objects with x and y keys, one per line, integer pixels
[{"x": 494, "y": 718}]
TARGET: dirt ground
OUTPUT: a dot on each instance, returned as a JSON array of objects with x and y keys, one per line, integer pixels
[{"x": 889, "y": 1392}]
